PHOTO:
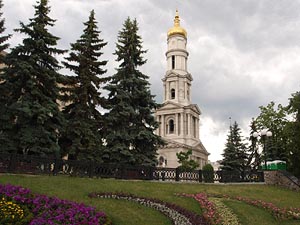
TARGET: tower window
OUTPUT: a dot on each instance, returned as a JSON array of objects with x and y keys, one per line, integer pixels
[
  {"x": 172, "y": 93},
  {"x": 173, "y": 62},
  {"x": 171, "y": 126}
]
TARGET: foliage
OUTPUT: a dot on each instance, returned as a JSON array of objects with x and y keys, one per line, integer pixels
[
  {"x": 33, "y": 117},
  {"x": 81, "y": 138},
  {"x": 186, "y": 163},
  {"x": 51, "y": 210},
  {"x": 4, "y": 90},
  {"x": 293, "y": 132},
  {"x": 254, "y": 159},
  {"x": 235, "y": 155},
  {"x": 3, "y": 38},
  {"x": 274, "y": 120},
  {"x": 178, "y": 215},
  {"x": 208, "y": 173},
  {"x": 130, "y": 123}
]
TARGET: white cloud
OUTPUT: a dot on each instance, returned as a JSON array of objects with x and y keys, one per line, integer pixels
[{"x": 243, "y": 54}]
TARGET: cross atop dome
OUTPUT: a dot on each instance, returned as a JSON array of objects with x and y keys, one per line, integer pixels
[{"x": 177, "y": 29}]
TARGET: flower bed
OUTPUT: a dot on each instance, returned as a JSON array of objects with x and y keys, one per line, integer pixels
[
  {"x": 277, "y": 212},
  {"x": 178, "y": 215},
  {"x": 210, "y": 212},
  {"x": 280, "y": 213},
  {"x": 13, "y": 213},
  {"x": 51, "y": 210},
  {"x": 228, "y": 217}
]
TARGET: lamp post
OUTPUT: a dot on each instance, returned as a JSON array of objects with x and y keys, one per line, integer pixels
[{"x": 264, "y": 133}]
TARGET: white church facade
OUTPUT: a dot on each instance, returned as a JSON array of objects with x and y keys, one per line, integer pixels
[{"x": 178, "y": 117}]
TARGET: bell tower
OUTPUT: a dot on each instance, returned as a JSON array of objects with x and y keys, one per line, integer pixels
[
  {"x": 178, "y": 117},
  {"x": 177, "y": 81}
]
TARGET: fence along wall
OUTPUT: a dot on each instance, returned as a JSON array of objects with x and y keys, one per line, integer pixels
[{"x": 26, "y": 164}]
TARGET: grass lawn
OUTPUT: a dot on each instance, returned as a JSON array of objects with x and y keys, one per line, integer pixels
[{"x": 129, "y": 213}]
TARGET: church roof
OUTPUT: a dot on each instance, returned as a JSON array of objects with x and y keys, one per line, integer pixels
[
  {"x": 177, "y": 29},
  {"x": 174, "y": 144},
  {"x": 172, "y": 73},
  {"x": 193, "y": 107},
  {"x": 176, "y": 105}
]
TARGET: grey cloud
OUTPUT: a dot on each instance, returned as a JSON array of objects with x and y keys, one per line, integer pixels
[{"x": 243, "y": 54}]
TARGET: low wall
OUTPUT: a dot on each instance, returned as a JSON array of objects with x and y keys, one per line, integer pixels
[{"x": 282, "y": 178}]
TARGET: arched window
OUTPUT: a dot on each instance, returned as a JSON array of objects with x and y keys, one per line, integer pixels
[
  {"x": 173, "y": 62},
  {"x": 171, "y": 126},
  {"x": 161, "y": 161},
  {"x": 172, "y": 93}
]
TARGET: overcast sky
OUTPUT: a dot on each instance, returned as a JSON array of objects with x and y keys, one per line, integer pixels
[{"x": 242, "y": 54}]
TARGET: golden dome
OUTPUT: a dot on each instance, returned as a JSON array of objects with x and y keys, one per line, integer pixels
[{"x": 177, "y": 29}]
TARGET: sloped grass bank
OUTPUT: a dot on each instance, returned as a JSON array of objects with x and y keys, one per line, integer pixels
[{"x": 77, "y": 189}]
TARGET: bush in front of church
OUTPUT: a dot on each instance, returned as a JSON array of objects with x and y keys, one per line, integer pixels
[
  {"x": 186, "y": 164},
  {"x": 208, "y": 173}
]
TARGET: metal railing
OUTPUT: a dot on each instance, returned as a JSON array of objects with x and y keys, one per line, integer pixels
[
  {"x": 27, "y": 164},
  {"x": 291, "y": 177}
]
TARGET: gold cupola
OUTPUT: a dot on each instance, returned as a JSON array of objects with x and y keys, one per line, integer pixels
[{"x": 177, "y": 29}]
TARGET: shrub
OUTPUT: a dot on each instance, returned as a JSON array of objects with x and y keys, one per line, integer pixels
[
  {"x": 208, "y": 173},
  {"x": 186, "y": 164}
]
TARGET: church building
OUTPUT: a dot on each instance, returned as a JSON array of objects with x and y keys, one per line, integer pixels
[{"x": 178, "y": 117}]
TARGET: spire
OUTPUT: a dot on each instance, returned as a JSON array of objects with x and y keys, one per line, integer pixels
[
  {"x": 177, "y": 19},
  {"x": 177, "y": 29}
]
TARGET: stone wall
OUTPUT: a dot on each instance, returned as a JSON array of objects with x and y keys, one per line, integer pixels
[{"x": 282, "y": 179}]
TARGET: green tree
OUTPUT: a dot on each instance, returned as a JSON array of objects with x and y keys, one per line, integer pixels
[
  {"x": 81, "y": 138},
  {"x": 130, "y": 123},
  {"x": 293, "y": 132},
  {"x": 235, "y": 155},
  {"x": 4, "y": 90},
  {"x": 274, "y": 120},
  {"x": 185, "y": 162},
  {"x": 208, "y": 173},
  {"x": 31, "y": 76},
  {"x": 254, "y": 159},
  {"x": 3, "y": 38}
]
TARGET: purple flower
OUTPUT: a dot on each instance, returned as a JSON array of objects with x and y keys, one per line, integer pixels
[{"x": 52, "y": 210}]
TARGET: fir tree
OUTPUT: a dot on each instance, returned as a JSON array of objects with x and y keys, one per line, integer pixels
[
  {"x": 3, "y": 39},
  {"x": 130, "y": 123},
  {"x": 31, "y": 75},
  {"x": 234, "y": 156},
  {"x": 81, "y": 138},
  {"x": 4, "y": 91},
  {"x": 254, "y": 157}
]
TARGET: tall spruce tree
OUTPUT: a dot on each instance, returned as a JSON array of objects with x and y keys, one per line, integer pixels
[
  {"x": 4, "y": 91},
  {"x": 31, "y": 76},
  {"x": 234, "y": 156},
  {"x": 130, "y": 123},
  {"x": 3, "y": 38},
  {"x": 81, "y": 138},
  {"x": 254, "y": 159}
]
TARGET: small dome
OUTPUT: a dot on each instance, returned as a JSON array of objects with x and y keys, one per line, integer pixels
[{"x": 177, "y": 29}]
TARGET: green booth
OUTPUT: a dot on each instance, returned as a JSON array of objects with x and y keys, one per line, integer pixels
[{"x": 274, "y": 165}]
